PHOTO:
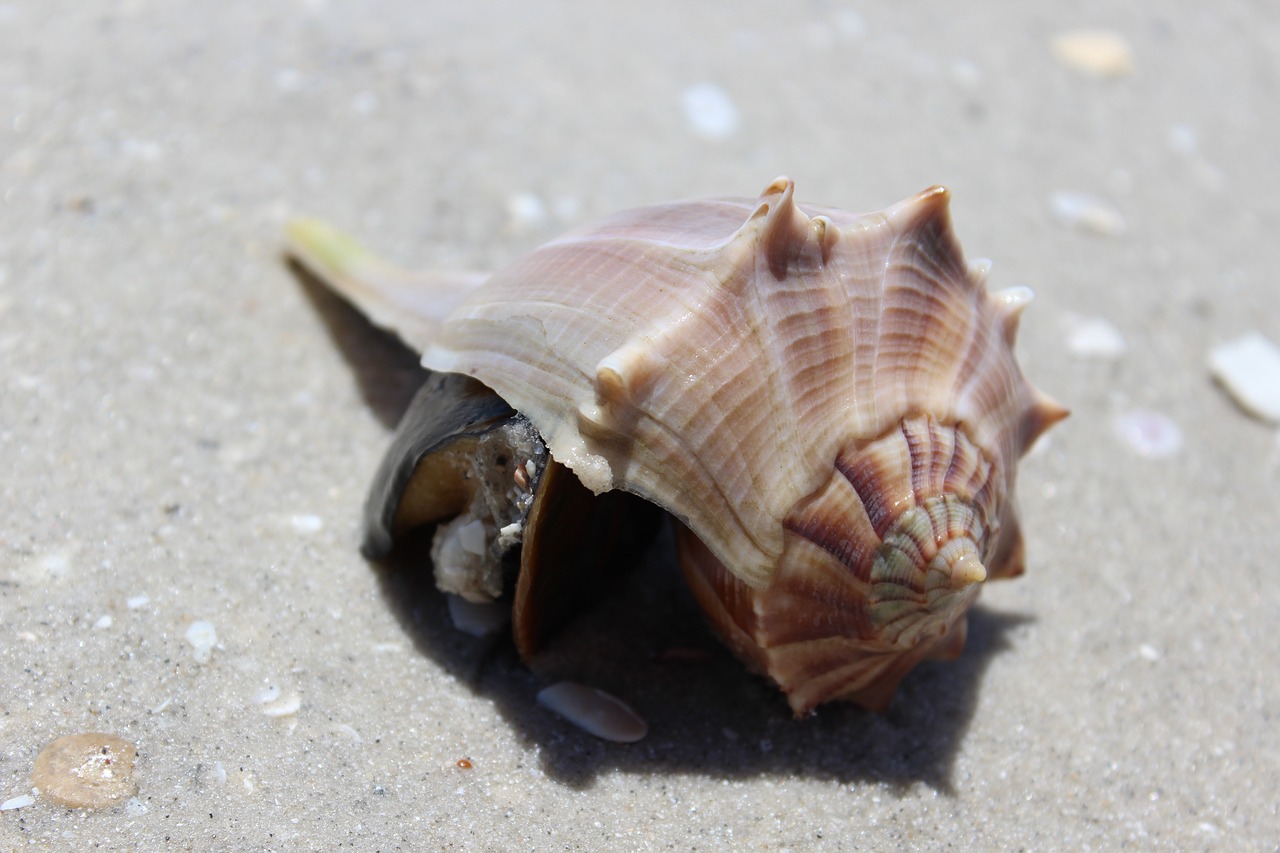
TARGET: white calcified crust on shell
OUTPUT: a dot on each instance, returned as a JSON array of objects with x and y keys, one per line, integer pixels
[{"x": 716, "y": 368}]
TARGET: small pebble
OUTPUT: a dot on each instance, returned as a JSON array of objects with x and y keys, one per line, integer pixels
[
  {"x": 91, "y": 770},
  {"x": 137, "y": 601},
  {"x": 1086, "y": 212},
  {"x": 709, "y": 111},
  {"x": 1249, "y": 368},
  {"x": 1149, "y": 652},
  {"x": 104, "y": 621},
  {"x": 1102, "y": 53},
  {"x": 1094, "y": 337},
  {"x": 1151, "y": 434},
  {"x": 202, "y": 637},
  {"x": 594, "y": 711}
]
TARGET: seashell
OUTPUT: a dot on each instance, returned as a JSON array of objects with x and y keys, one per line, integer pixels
[
  {"x": 827, "y": 404},
  {"x": 594, "y": 711}
]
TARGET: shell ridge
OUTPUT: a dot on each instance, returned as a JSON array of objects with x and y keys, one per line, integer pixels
[
  {"x": 829, "y": 545},
  {"x": 926, "y": 283},
  {"x": 660, "y": 345},
  {"x": 755, "y": 576}
]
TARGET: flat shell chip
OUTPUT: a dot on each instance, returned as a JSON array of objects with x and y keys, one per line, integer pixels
[
  {"x": 1249, "y": 368},
  {"x": 1102, "y": 53},
  {"x": 594, "y": 711}
]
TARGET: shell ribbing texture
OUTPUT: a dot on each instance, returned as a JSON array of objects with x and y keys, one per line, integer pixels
[
  {"x": 879, "y": 568},
  {"x": 718, "y": 368}
]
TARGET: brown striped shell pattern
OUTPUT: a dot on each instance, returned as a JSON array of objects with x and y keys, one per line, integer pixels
[{"x": 827, "y": 404}]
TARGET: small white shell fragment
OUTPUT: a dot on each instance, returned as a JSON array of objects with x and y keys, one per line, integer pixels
[
  {"x": 286, "y": 707},
  {"x": 288, "y": 80},
  {"x": 1094, "y": 337},
  {"x": 1086, "y": 212},
  {"x": 471, "y": 537},
  {"x": 1102, "y": 53},
  {"x": 137, "y": 601},
  {"x": 1183, "y": 139},
  {"x": 1149, "y": 652},
  {"x": 1249, "y": 368},
  {"x": 19, "y": 802},
  {"x": 966, "y": 73},
  {"x": 1150, "y": 433},
  {"x": 304, "y": 523},
  {"x": 849, "y": 24},
  {"x": 365, "y": 102},
  {"x": 527, "y": 211},
  {"x": 104, "y": 621},
  {"x": 594, "y": 711},
  {"x": 479, "y": 619},
  {"x": 709, "y": 110},
  {"x": 348, "y": 731},
  {"x": 202, "y": 637}
]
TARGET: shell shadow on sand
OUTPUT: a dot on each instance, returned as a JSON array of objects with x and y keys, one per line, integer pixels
[{"x": 647, "y": 642}]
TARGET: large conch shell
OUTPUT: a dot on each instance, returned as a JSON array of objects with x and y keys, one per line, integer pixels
[{"x": 827, "y": 403}]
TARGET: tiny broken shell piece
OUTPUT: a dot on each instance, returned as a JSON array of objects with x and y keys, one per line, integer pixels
[
  {"x": 1249, "y": 370},
  {"x": 1102, "y": 53},
  {"x": 594, "y": 711}
]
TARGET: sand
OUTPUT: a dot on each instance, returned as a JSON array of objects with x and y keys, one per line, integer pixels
[{"x": 187, "y": 427}]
